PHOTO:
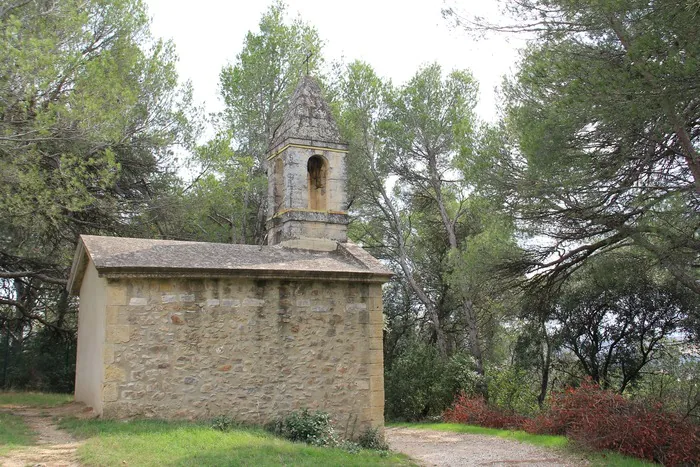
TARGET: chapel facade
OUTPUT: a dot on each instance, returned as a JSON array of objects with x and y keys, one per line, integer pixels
[{"x": 174, "y": 329}]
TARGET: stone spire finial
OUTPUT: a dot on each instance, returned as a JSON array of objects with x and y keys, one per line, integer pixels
[{"x": 308, "y": 117}]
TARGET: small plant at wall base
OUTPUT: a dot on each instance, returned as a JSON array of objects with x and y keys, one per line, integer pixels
[
  {"x": 372, "y": 439},
  {"x": 308, "y": 427},
  {"x": 224, "y": 423}
]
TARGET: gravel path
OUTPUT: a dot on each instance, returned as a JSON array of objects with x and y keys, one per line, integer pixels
[{"x": 442, "y": 448}]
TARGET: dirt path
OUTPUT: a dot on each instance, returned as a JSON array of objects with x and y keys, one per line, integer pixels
[
  {"x": 442, "y": 448},
  {"x": 54, "y": 448}
]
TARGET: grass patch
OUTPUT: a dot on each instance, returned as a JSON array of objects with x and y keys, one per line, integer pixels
[
  {"x": 14, "y": 433},
  {"x": 34, "y": 399},
  {"x": 549, "y": 441},
  {"x": 614, "y": 459},
  {"x": 596, "y": 459},
  {"x": 156, "y": 443}
]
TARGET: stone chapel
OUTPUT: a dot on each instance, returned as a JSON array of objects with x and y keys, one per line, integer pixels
[{"x": 177, "y": 329}]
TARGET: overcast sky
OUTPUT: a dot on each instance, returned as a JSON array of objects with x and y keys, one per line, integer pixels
[{"x": 396, "y": 37}]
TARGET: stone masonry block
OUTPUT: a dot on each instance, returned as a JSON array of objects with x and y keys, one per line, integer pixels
[
  {"x": 108, "y": 354},
  {"x": 376, "y": 370},
  {"x": 376, "y": 399},
  {"x": 376, "y": 357},
  {"x": 118, "y": 334},
  {"x": 110, "y": 392},
  {"x": 363, "y": 317},
  {"x": 187, "y": 297},
  {"x": 114, "y": 373},
  {"x": 363, "y": 384},
  {"x": 116, "y": 294},
  {"x": 253, "y": 302},
  {"x": 376, "y": 382},
  {"x": 112, "y": 314},
  {"x": 168, "y": 298}
]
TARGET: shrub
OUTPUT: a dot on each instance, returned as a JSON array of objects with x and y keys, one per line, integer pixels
[
  {"x": 308, "y": 427},
  {"x": 509, "y": 389},
  {"x": 224, "y": 423},
  {"x": 475, "y": 411},
  {"x": 603, "y": 420},
  {"x": 371, "y": 439},
  {"x": 420, "y": 383}
]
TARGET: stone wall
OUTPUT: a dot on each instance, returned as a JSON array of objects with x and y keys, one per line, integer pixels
[{"x": 252, "y": 349}]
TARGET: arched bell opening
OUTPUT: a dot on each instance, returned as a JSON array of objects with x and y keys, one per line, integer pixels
[{"x": 317, "y": 169}]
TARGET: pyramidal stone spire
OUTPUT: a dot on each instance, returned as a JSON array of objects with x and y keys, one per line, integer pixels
[
  {"x": 307, "y": 175},
  {"x": 308, "y": 117}
]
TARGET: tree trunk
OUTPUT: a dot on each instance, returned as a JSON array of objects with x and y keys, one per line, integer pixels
[{"x": 468, "y": 312}]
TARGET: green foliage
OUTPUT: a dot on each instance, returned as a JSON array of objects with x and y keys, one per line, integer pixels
[
  {"x": 614, "y": 322},
  {"x": 413, "y": 138},
  {"x": 90, "y": 110},
  {"x": 420, "y": 383},
  {"x": 224, "y": 423},
  {"x": 371, "y": 439},
  {"x": 228, "y": 200},
  {"x": 309, "y": 427},
  {"x": 510, "y": 389},
  {"x": 598, "y": 149}
]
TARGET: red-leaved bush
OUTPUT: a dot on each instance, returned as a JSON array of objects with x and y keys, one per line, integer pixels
[
  {"x": 597, "y": 419},
  {"x": 475, "y": 411}
]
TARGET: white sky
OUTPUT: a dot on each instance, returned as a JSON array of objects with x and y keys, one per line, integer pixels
[{"x": 393, "y": 36}]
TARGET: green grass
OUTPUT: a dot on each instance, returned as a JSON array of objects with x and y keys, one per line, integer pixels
[
  {"x": 34, "y": 399},
  {"x": 614, "y": 459},
  {"x": 549, "y": 441},
  {"x": 14, "y": 433},
  {"x": 156, "y": 443},
  {"x": 596, "y": 459}
]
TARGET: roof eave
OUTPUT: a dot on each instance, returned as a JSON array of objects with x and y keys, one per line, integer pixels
[
  {"x": 155, "y": 273},
  {"x": 77, "y": 270}
]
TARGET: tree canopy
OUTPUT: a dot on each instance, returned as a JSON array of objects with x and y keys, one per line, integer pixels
[
  {"x": 599, "y": 146},
  {"x": 90, "y": 109}
]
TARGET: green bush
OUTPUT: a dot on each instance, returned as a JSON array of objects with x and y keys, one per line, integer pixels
[
  {"x": 510, "y": 390},
  {"x": 419, "y": 383},
  {"x": 308, "y": 427},
  {"x": 224, "y": 423},
  {"x": 371, "y": 439}
]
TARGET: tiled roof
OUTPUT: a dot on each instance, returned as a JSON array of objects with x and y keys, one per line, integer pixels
[{"x": 119, "y": 256}]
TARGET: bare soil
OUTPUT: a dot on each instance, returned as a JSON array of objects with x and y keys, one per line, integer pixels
[
  {"x": 54, "y": 448},
  {"x": 441, "y": 448}
]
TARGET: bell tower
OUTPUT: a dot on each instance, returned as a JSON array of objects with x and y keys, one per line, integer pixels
[{"x": 307, "y": 177}]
